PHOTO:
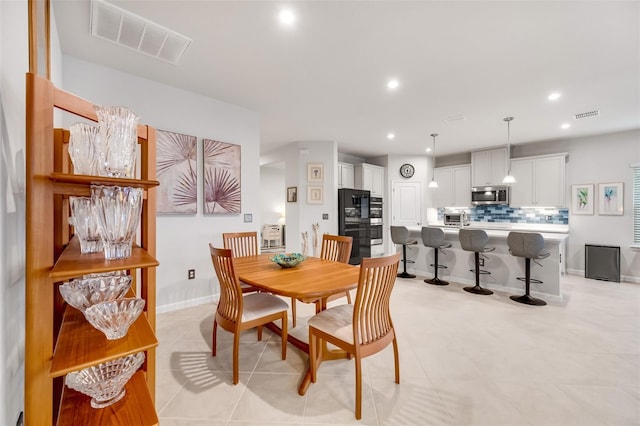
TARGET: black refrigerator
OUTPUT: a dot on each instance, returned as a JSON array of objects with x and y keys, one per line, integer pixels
[{"x": 353, "y": 221}]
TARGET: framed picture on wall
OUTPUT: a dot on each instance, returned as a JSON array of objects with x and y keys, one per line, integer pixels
[
  {"x": 611, "y": 198},
  {"x": 315, "y": 172},
  {"x": 292, "y": 194},
  {"x": 314, "y": 195},
  {"x": 582, "y": 198}
]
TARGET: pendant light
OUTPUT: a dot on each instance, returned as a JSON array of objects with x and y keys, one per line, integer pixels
[
  {"x": 508, "y": 178},
  {"x": 433, "y": 183}
]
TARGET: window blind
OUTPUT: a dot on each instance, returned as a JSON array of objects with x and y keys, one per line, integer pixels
[{"x": 636, "y": 204}]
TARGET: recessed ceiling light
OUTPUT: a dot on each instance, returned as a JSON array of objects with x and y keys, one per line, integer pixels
[
  {"x": 287, "y": 17},
  {"x": 554, "y": 96},
  {"x": 428, "y": 149},
  {"x": 390, "y": 136},
  {"x": 392, "y": 84},
  {"x": 565, "y": 126}
]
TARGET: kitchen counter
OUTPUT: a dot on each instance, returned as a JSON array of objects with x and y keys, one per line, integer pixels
[{"x": 504, "y": 267}]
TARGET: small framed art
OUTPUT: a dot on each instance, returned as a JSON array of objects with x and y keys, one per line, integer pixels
[
  {"x": 610, "y": 198},
  {"x": 315, "y": 172},
  {"x": 292, "y": 194},
  {"x": 582, "y": 198},
  {"x": 314, "y": 195}
]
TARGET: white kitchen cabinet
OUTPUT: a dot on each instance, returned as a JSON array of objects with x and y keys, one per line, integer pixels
[
  {"x": 454, "y": 186},
  {"x": 540, "y": 181},
  {"x": 346, "y": 175},
  {"x": 489, "y": 166},
  {"x": 371, "y": 178}
]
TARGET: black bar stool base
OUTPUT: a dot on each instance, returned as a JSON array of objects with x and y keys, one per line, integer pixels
[
  {"x": 436, "y": 281},
  {"x": 406, "y": 275},
  {"x": 478, "y": 290},
  {"x": 528, "y": 300}
]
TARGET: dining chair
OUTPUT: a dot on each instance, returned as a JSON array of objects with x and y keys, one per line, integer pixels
[
  {"x": 338, "y": 249},
  {"x": 246, "y": 244},
  {"x": 237, "y": 312},
  {"x": 361, "y": 329}
]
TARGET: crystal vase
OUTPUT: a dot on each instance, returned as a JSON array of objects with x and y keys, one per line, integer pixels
[
  {"x": 85, "y": 224},
  {"x": 117, "y": 210},
  {"x": 117, "y": 144},
  {"x": 82, "y": 148}
]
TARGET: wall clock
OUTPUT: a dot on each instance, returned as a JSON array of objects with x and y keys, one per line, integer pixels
[{"x": 407, "y": 170}]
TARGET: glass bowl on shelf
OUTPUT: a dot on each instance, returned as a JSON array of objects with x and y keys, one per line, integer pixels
[
  {"x": 85, "y": 292},
  {"x": 288, "y": 260},
  {"x": 104, "y": 383},
  {"x": 115, "y": 317}
]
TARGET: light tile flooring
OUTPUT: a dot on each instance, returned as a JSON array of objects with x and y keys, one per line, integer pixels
[{"x": 464, "y": 360}]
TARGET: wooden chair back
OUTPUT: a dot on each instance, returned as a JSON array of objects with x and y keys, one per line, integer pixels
[
  {"x": 231, "y": 301},
  {"x": 336, "y": 248},
  {"x": 371, "y": 315},
  {"x": 242, "y": 244}
]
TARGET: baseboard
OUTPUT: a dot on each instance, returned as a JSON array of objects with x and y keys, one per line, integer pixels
[
  {"x": 185, "y": 304},
  {"x": 623, "y": 278}
]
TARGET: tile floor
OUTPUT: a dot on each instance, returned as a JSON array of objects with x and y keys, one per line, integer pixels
[{"x": 464, "y": 360}]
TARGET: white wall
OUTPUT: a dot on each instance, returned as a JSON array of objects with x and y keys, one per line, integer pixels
[
  {"x": 14, "y": 63},
  {"x": 301, "y": 215},
  {"x": 272, "y": 195},
  {"x": 182, "y": 241},
  {"x": 598, "y": 159}
]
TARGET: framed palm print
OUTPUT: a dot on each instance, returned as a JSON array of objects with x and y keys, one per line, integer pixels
[
  {"x": 314, "y": 195},
  {"x": 177, "y": 172},
  {"x": 610, "y": 198},
  {"x": 221, "y": 177}
]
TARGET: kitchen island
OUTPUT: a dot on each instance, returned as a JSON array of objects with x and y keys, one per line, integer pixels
[{"x": 504, "y": 268}]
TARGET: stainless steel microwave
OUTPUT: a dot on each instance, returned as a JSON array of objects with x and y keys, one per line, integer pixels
[{"x": 481, "y": 195}]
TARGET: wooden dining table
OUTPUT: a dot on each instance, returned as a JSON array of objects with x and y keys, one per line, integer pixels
[{"x": 311, "y": 281}]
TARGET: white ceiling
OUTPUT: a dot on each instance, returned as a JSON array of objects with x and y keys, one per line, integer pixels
[{"x": 324, "y": 79}]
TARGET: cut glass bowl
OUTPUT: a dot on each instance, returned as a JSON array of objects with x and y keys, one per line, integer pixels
[
  {"x": 114, "y": 318},
  {"x": 104, "y": 383},
  {"x": 85, "y": 292},
  {"x": 287, "y": 260}
]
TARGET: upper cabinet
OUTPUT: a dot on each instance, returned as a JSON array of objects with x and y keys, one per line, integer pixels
[
  {"x": 454, "y": 186},
  {"x": 346, "y": 175},
  {"x": 540, "y": 181},
  {"x": 488, "y": 167},
  {"x": 371, "y": 178}
]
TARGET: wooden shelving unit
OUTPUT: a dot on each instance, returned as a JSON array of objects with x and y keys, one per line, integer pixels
[{"x": 58, "y": 338}]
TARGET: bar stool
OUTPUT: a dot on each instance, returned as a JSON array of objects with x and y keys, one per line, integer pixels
[
  {"x": 400, "y": 235},
  {"x": 530, "y": 246},
  {"x": 476, "y": 240},
  {"x": 434, "y": 238}
]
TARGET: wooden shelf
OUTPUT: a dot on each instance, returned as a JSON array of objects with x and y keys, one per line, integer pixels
[
  {"x": 136, "y": 408},
  {"x": 80, "y": 345},
  {"x": 73, "y": 264},
  {"x": 80, "y": 185}
]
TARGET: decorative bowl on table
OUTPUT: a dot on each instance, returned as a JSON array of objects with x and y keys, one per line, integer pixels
[
  {"x": 287, "y": 260},
  {"x": 115, "y": 317},
  {"x": 85, "y": 292},
  {"x": 104, "y": 383}
]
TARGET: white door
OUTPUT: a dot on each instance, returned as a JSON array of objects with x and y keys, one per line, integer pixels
[{"x": 406, "y": 204}]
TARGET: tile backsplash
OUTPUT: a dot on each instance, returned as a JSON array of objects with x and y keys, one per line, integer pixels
[{"x": 500, "y": 213}]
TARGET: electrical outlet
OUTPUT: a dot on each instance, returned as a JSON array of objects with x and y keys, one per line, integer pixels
[
  {"x": 481, "y": 262},
  {"x": 549, "y": 217},
  {"x": 325, "y": 216},
  {"x": 191, "y": 274}
]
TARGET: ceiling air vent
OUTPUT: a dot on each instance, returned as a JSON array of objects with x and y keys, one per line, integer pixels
[
  {"x": 119, "y": 26},
  {"x": 593, "y": 113}
]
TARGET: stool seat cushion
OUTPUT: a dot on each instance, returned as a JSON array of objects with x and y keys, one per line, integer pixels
[
  {"x": 433, "y": 237},
  {"x": 526, "y": 244},
  {"x": 400, "y": 235},
  {"x": 473, "y": 239}
]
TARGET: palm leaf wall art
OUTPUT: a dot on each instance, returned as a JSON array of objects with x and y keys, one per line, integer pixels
[
  {"x": 177, "y": 172},
  {"x": 222, "y": 190}
]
